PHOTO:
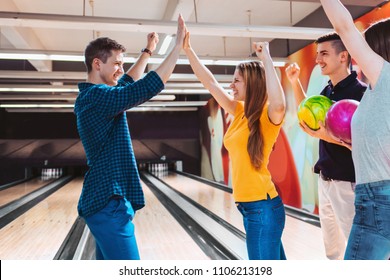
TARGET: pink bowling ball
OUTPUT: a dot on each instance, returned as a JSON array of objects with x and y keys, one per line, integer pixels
[{"x": 338, "y": 119}]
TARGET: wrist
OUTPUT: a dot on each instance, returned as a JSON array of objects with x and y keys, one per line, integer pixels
[
  {"x": 146, "y": 50},
  {"x": 266, "y": 59}
]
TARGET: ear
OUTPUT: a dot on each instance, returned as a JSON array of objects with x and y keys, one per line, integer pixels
[
  {"x": 96, "y": 64},
  {"x": 344, "y": 56}
]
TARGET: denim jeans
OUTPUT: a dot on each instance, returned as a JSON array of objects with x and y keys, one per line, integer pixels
[
  {"x": 370, "y": 234},
  {"x": 264, "y": 222},
  {"x": 113, "y": 231}
]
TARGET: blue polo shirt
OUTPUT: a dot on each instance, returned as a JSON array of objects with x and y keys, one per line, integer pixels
[
  {"x": 335, "y": 161},
  {"x": 102, "y": 125}
]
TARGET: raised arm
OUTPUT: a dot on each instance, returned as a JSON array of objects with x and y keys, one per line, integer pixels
[
  {"x": 138, "y": 68},
  {"x": 208, "y": 80},
  {"x": 292, "y": 73},
  {"x": 370, "y": 62},
  {"x": 276, "y": 99},
  {"x": 165, "y": 69}
]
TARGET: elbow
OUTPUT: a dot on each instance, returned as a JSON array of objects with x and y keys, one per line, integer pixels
[
  {"x": 277, "y": 113},
  {"x": 280, "y": 108}
]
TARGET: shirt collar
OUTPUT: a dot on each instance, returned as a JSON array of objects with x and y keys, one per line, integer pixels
[
  {"x": 344, "y": 83},
  {"x": 84, "y": 85}
]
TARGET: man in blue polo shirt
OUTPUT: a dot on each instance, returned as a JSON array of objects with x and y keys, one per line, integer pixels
[
  {"x": 336, "y": 180},
  {"x": 112, "y": 190}
]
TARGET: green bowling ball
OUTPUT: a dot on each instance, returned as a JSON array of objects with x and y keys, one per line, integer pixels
[{"x": 313, "y": 109}]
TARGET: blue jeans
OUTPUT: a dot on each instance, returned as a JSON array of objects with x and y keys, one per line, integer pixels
[
  {"x": 370, "y": 235},
  {"x": 264, "y": 222},
  {"x": 113, "y": 231}
]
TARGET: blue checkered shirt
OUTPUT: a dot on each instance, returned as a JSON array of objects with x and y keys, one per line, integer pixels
[{"x": 102, "y": 125}]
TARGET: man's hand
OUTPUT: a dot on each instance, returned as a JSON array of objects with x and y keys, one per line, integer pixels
[
  {"x": 319, "y": 133},
  {"x": 152, "y": 41},
  {"x": 323, "y": 134},
  {"x": 181, "y": 31},
  {"x": 292, "y": 72}
]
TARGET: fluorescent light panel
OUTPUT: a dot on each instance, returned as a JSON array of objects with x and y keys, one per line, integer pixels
[
  {"x": 146, "y": 104},
  {"x": 68, "y": 97},
  {"x": 132, "y": 110},
  {"x": 185, "y": 91},
  {"x": 82, "y": 22},
  {"x": 165, "y": 44},
  {"x": 37, "y": 89},
  {"x": 170, "y": 88},
  {"x": 126, "y": 59}
]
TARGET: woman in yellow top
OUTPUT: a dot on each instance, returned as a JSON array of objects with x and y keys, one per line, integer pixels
[{"x": 258, "y": 106}]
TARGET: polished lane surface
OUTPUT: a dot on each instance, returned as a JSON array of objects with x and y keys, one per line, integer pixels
[
  {"x": 302, "y": 241},
  {"x": 15, "y": 192},
  {"x": 160, "y": 236},
  {"x": 39, "y": 233}
]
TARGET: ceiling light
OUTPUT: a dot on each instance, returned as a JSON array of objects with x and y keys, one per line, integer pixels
[
  {"x": 82, "y": 22},
  {"x": 165, "y": 44},
  {"x": 128, "y": 58},
  {"x": 132, "y": 110},
  {"x": 37, "y": 89},
  {"x": 146, "y": 104},
  {"x": 165, "y": 97},
  {"x": 174, "y": 103},
  {"x": 36, "y": 105},
  {"x": 185, "y": 91}
]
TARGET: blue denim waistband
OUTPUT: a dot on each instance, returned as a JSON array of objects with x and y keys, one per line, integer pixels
[
  {"x": 375, "y": 184},
  {"x": 379, "y": 188}
]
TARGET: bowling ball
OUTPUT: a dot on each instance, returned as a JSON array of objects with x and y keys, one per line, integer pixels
[
  {"x": 313, "y": 109},
  {"x": 338, "y": 119}
]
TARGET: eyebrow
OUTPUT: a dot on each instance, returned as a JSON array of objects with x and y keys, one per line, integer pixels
[
  {"x": 323, "y": 51},
  {"x": 118, "y": 61}
]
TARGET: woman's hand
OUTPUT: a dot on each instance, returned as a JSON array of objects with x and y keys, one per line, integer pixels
[{"x": 262, "y": 50}]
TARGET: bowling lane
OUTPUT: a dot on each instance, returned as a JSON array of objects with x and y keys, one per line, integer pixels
[
  {"x": 15, "y": 192},
  {"x": 39, "y": 233},
  {"x": 302, "y": 241},
  {"x": 160, "y": 236}
]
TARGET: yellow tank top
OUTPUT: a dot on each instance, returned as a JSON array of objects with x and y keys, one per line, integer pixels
[{"x": 250, "y": 184}]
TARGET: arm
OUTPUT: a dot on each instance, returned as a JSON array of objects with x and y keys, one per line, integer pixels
[
  {"x": 276, "y": 99},
  {"x": 323, "y": 134},
  {"x": 292, "y": 72},
  {"x": 138, "y": 68},
  {"x": 370, "y": 62},
  {"x": 165, "y": 69},
  {"x": 208, "y": 80}
]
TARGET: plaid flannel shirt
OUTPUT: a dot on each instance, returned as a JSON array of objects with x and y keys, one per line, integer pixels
[{"x": 102, "y": 125}]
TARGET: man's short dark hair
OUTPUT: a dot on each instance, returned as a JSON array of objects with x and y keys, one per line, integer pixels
[
  {"x": 100, "y": 48},
  {"x": 336, "y": 43}
]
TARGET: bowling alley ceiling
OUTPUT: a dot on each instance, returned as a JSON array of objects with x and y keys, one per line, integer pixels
[{"x": 42, "y": 42}]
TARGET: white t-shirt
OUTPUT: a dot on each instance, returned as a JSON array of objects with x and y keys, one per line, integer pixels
[{"x": 371, "y": 132}]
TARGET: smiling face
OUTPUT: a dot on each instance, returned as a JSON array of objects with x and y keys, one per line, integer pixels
[
  {"x": 238, "y": 86},
  {"x": 328, "y": 59},
  {"x": 112, "y": 69}
]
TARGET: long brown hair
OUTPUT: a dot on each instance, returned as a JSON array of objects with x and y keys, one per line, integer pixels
[
  {"x": 378, "y": 38},
  {"x": 253, "y": 74}
]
